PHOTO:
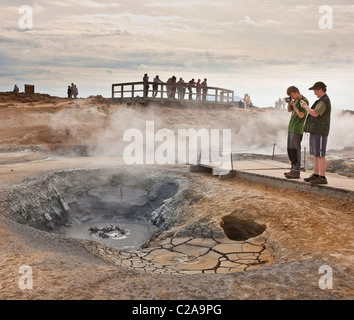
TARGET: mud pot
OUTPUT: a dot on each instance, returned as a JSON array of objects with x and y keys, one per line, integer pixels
[{"x": 121, "y": 214}]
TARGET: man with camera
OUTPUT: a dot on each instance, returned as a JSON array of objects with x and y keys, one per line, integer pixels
[
  {"x": 318, "y": 124},
  {"x": 295, "y": 130}
]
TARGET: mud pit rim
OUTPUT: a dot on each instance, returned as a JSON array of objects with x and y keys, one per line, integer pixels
[{"x": 208, "y": 248}]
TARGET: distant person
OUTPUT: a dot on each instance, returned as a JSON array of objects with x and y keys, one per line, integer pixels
[
  {"x": 199, "y": 89},
  {"x": 279, "y": 104},
  {"x": 247, "y": 101},
  {"x": 155, "y": 86},
  {"x": 205, "y": 88},
  {"x": 69, "y": 92},
  {"x": 191, "y": 84},
  {"x": 318, "y": 125},
  {"x": 295, "y": 130},
  {"x": 146, "y": 85},
  {"x": 282, "y": 104},
  {"x": 181, "y": 87},
  {"x": 16, "y": 89},
  {"x": 72, "y": 89},
  {"x": 75, "y": 92},
  {"x": 173, "y": 87}
]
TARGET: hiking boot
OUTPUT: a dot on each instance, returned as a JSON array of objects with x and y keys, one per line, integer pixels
[
  {"x": 311, "y": 178},
  {"x": 319, "y": 180},
  {"x": 292, "y": 175},
  {"x": 286, "y": 173}
]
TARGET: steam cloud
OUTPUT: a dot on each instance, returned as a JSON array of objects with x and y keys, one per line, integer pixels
[{"x": 253, "y": 131}]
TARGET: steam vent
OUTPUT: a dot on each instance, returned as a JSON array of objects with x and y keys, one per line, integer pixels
[{"x": 137, "y": 219}]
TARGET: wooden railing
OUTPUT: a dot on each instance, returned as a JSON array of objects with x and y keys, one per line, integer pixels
[{"x": 165, "y": 91}]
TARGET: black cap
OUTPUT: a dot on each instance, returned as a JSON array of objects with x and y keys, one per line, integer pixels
[{"x": 318, "y": 85}]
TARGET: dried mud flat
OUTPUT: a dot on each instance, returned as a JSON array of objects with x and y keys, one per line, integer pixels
[{"x": 304, "y": 232}]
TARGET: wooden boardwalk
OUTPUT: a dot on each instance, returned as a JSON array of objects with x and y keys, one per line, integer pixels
[
  {"x": 136, "y": 93},
  {"x": 271, "y": 172}
]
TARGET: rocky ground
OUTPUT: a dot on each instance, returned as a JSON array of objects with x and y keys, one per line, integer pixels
[{"x": 308, "y": 236}]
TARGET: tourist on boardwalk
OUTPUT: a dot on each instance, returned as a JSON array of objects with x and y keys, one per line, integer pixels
[
  {"x": 181, "y": 87},
  {"x": 16, "y": 89},
  {"x": 280, "y": 104},
  {"x": 171, "y": 87},
  {"x": 191, "y": 84},
  {"x": 318, "y": 125},
  {"x": 205, "y": 89},
  {"x": 146, "y": 85},
  {"x": 295, "y": 130},
  {"x": 155, "y": 86},
  {"x": 199, "y": 89},
  {"x": 69, "y": 92}
]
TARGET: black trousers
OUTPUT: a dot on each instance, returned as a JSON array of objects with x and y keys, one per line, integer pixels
[{"x": 294, "y": 150}]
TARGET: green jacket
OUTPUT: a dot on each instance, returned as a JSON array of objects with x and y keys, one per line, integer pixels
[
  {"x": 296, "y": 124},
  {"x": 321, "y": 124}
]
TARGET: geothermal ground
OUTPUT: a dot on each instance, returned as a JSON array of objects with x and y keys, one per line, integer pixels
[{"x": 76, "y": 222}]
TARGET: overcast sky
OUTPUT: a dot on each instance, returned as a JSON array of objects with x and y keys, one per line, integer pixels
[{"x": 254, "y": 47}]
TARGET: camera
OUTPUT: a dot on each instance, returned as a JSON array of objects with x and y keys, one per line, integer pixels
[{"x": 287, "y": 99}]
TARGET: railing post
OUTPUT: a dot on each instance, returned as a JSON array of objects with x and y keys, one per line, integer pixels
[
  {"x": 305, "y": 159},
  {"x": 133, "y": 90},
  {"x": 232, "y": 162}
]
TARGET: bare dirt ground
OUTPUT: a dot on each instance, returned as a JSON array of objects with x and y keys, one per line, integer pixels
[{"x": 308, "y": 233}]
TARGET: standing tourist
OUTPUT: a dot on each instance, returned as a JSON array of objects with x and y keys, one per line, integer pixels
[
  {"x": 155, "y": 86},
  {"x": 181, "y": 87},
  {"x": 146, "y": 85},
  {"x": 318, "y": 124},
  {"x": 191, "y": 84},
  {"x": 199, "y": 89},
  {"x": 295, "y": 130},
  {"x": 75, "y": 91},
  {"x": 205, "y": 88}
]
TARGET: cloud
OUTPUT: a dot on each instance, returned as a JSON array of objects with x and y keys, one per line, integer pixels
[{"x": 93, "y": 4}]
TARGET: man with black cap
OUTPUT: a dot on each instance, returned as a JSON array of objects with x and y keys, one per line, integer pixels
[{"x": 318, "y": 124}]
